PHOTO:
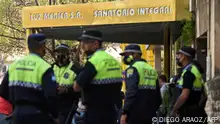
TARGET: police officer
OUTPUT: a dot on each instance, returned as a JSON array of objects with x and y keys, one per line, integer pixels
[
  {"x": 174, "y": 92},
  {"x": 100, "y": 80},
  {"x": 32, "y": 86},
  {"x": 143, "y": 97},
  {"x": 65, "y": 73},
  {"x": 190, "y": 85}
]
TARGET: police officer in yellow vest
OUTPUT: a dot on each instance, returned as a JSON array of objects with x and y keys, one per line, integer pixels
[
  {"x": 143, "y": 97},
  {"x": 100, "y": 80},
  {"x": 190, "y": 85},
  {"x": 65, "y": 73},
  {"x": 32, "y": 86}
]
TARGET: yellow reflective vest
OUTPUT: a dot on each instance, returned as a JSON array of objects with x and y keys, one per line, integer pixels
[
  {"x": 147, "y": 75},
  {"x": 108, "y": 68},
  {"x": 28, "y": 72},
  {"x": 64, "y": 75},
  {"x": 198, "y": 82}
]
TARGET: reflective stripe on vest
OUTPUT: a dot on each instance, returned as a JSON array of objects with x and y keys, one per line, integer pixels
[
  {"x": 108, "y": 68},
  {"x": 142, "y": 87},
  {"x": 25, "y": 84},
  {"x": 64, "y": 75},
  {"x": 28, "y": 72},
  {"x": 107, "y": 81},
  {"x": 198, "y": 82},
  {"x": 147, "y": 75}
]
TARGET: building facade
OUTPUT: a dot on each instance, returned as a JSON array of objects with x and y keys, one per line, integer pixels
[{"x": 207, "y": 24}]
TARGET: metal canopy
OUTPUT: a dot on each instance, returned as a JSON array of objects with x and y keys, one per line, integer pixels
[{"x": 141, "y": 33}]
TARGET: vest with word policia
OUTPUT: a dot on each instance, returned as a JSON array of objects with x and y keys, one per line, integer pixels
[
  {"x": 147, "y": 75},
  {"x": 64, "y": 75},
  {"x": 108, "y": 68},
  {"x": 28, "y": 72}
]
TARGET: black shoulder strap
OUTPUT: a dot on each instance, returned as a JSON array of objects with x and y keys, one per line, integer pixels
[
  {"x": 75, "y": 69},
  {"x": 188, "y": 68}
]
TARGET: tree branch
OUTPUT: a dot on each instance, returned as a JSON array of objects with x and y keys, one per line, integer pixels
[
  {"x": 36, "y": 2},
  {"x": 50, "y": 2},
  {"x": 22, "y": 2},
  {"x": 11, "y": 27},
  {"x": 15, "y": 38},
  {"x": 54, "y": 2},
  {"x": 50, "y": 52}
]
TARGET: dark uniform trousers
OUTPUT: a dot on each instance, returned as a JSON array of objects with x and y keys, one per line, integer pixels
[
  {"x": 26, "y": 114},
  {"x": 193, "y": 111},
  {"x": 139, "y": 122},
  {"x": 97, "y": 115},
  {"x": 141, "y": 116},
  {"x": 134, "y": 119},
  {"x": 62, "y": 117},
  {"x": 63, "y": 114},
  {"x": 144, "y": 108}
]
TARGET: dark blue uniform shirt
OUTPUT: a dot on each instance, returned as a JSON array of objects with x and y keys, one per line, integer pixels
[
  {"x": 45, "y": 100},
  {"x": 66, "y": 99},
  {"x": 188, "y": 80},
  {"x": 147, "y": 101},
  {"x": 104, "y": 94}
]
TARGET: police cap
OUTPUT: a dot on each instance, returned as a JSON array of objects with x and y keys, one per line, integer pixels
[
  {"x": 91, "y": 35},
  {"x": 132, "y": 48},
  {"x": 34, "y": 40},
  {"x": 38, "y": 38},
  {"x": 62, "y": 46},
  {"x": 187, "y": 51}
]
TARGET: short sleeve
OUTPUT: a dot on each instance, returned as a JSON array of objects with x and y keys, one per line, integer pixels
[
  {"x": 188, "y": 79},
  {"x": 86, "y": 75},
  {"x": 76, "y": 69}
]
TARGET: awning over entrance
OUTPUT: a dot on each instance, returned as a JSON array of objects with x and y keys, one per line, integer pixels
[
  {"x": 139, "y": 21},
  {"x": 142, "y": 33}
]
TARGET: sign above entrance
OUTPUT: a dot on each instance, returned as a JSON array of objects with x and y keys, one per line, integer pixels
[{"x": 99, "y": 13}]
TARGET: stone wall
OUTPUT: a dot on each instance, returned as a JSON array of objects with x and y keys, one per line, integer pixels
[
  {"x": 217, "y": 37},
  {"x": 201, "y": 17},
  {"x": 212, "y": 107},
  {"x": 209, "y": 22}
]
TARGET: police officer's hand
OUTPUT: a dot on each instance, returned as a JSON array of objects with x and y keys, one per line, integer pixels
[
  {"x": 174, "y": 113},
  {"x": 123, "y": 119},
  {"x": 57, "y": 121},
  {"x": 62, "y": 89}
]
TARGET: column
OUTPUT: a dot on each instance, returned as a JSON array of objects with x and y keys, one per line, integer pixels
[
  {"x": 216, "y": 43},
  {"x": 157, "y": 58},
  {"x": 214, "y": 35},
  {"x": 167, "y": 51}
]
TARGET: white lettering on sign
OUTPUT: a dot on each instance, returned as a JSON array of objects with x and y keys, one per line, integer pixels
[
  {"x": 55, "y": 15},
  {"x": 59, "y": 15},
  {"x": 35, "y": 16},
  {"x": 75, "y": 15},
  {"x": 132, "y": 11},
  {"x": 114, "y": 12},
  {"x": 155, "y": 10},
  {"x": 123, "y": 12}
]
